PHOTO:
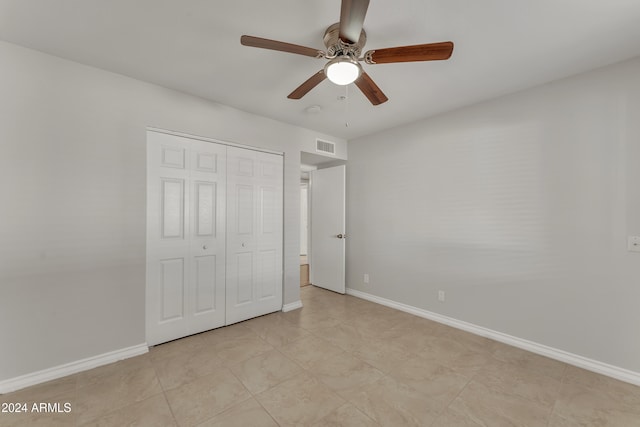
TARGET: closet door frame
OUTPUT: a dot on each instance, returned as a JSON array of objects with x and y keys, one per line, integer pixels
[{"x": 153, "y": 339}]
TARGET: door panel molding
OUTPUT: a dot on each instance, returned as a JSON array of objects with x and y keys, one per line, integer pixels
[
  {"x": 254, "y": 226},
  {"x": 185, "y": 221}
]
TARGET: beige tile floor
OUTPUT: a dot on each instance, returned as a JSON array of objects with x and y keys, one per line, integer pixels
[{"x": 339, "y": 361}]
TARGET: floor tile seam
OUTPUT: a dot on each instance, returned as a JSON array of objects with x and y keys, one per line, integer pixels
[
  {"x": 286, "y": 318},
  {"x": 312, "y": 371},
  {"x": 601, "y": 394},
  {"x": 250, "y": 395},
  {"x": 514, "y": 364},
  {"x": 117, "y": 409},
  {"x": 518, "y": 396},
  {"x": 289, "y": 359},
  {"x": 304, "y": 337},
  {"x": 527, "y": 371},
  {"x": 399, "y": 379},
  {"x": 314, "y": 365},
  {"x": 166, "y": 399},
  {"x": 101, "y": 379},
  {"x": 384, "y": 376},
  {"x": 450, "y": 355},
  {"x": 446, "y": 407},
  {"x": 348, "y": 402},
  {"x": 310, "y": 330},
  {"x": 135, "y": 400},
  {"x": 552, "y": 412},
  {"x": 224, "y": 362},
  {"x": 360, "y": 358},
  {"x": 254, "y": 395},
  {"x": 213, "y": 341},
  {"x": 608, "y": 381},
  {"x": 279, "y": 348},
  {"x": 267, "y": 343},
  {"x": 253, "y": 335},
  {"x": 229, "y": 365},
  {"x": 563, "y": 380},
  {"x": 217, "y": 414},
  {"x": 539, "y": 405},
  {"x": 266, "y": 410},
  {"x": 155, "y": 370},
  {"x": 200, "y": 377},
  {"x": 305, "y": 334}
]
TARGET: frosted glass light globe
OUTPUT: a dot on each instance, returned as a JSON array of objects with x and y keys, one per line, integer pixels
[{"x": 343, "y": 70}]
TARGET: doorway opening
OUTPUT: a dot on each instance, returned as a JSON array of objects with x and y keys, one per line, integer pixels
[
  {"x": 304, "y": 224},
  {"x": 322, "y": 222}
]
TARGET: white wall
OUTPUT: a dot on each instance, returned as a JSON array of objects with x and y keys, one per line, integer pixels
[
  {"x": 72, "y": 202},
  {"x": 518, "y": 208}
]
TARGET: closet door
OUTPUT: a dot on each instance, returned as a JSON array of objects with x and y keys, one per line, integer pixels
[
  {"x": 185, "y": 236},
  {"x": 254, "y": 233}
]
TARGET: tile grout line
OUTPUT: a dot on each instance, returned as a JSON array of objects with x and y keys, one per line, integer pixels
[
  {"x": 555, "y": 401},
  {"x": 254, "y": 396},
  {"x": 166, "y": 399},
  {"x": 164, "y": 392},
  {"x": 266, "y": 410}
]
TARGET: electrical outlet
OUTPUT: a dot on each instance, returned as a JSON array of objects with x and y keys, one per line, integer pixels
[
  {"x": 633, "y": 243},
  {"x": 441, "y": 296},
  {"x": 366, "y": 278}
]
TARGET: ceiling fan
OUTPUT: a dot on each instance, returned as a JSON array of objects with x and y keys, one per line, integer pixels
[{"x": 344, "y": 42}]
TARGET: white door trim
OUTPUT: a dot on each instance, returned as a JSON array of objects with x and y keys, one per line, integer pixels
[{"x": 216, "y": 141}]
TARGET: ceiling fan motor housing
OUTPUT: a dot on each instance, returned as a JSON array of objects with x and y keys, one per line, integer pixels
[{"x": 337, "y": 47}]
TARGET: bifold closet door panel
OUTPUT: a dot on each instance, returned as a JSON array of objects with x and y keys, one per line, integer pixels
[
  {"x": 186, "y": 185},
  {"x": 206, "y": 297},
  {"x": 254, "y": 233}
]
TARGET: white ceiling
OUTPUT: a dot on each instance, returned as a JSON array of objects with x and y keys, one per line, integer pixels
[{"x": 193, "y": 46}]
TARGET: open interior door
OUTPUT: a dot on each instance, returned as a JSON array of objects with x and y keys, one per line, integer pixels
[{"x": 328, "y": 190}]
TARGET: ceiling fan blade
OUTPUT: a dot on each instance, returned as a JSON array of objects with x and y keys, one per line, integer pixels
[
  {"x": 305, "y": 87},
  {"x": 352, "y": 16},
  {"x": 419, "y": 52},
  {"x": 280, "y": 46},
  {"x": 370, "y": 89}
]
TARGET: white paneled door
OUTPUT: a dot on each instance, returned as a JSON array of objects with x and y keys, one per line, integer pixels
[
  {"x": 185, "y": 237},
  {"x": 327, "y": 191},
  {"x": 254, "y": 233},
  {"x": 214, "y": 235}
]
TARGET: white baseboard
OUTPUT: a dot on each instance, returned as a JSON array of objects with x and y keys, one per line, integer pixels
[
  {"x": 292, "y": 306},
  {"x": 553, "y": 353},
  {"x": 17, "y": 383}
]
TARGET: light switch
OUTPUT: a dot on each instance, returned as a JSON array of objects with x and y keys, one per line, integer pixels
[{"x": 633, "y": 243}]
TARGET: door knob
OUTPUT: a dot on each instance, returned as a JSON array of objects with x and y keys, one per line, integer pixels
[
  {"x": 341, "y": 236},
  {"x": 205, "y": 247}
]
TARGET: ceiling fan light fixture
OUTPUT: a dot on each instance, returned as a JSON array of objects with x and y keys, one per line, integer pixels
[{"x": 343, "y": 70}]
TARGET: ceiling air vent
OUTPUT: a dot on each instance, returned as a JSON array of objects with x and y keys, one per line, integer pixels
[{"x": 325, "y": 147}]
